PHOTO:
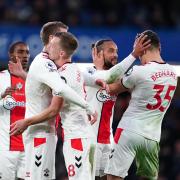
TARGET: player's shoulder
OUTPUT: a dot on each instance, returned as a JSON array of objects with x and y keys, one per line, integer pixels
[
  {"x": 68, "y": 67},
  {"x": 91, "y": 70},
  {"x": 4, "y": 73},
  {"x": 41, "y": 62},
  {"x": 41, "y": 58}
]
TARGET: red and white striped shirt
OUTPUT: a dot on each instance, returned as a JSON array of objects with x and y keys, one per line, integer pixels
[
  {"x": 104, "y": 105},
  {"x": 12, "y": 108}
]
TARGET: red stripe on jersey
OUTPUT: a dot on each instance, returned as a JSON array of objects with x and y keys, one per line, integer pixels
[
  {"x": 104, "y": 124},
  {"x": 39, "y": 141},
  {"x": 58, "y": 118},
  {"x": 18, "y": 112},
  {"x": 117, "y": 135},
  {"x": 60, "y": 131},
  {"x": 77, "y": 144}
]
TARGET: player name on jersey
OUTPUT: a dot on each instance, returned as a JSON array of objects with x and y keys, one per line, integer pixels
[{"x": 164, "y": 73}]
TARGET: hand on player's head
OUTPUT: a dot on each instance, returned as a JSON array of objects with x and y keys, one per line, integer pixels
[{"x": 140, "y": 45}]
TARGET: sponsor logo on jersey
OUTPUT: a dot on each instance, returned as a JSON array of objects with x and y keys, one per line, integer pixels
[
  {"x": 103, "y": 96},
  {"x": 51, "y": 66},
  {"x": 10, "y": 103}
]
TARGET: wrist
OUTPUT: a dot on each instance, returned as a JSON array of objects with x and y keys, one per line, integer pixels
[
  {"x": 134, "y": 54},
  {"x": 23, "y": 75},
  {"x": 28, "y": 122}
]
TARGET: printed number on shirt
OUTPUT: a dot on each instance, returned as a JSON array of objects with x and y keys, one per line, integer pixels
[
  {"x": 71, "y": 170},
  {"x": 159, "y": 89}
]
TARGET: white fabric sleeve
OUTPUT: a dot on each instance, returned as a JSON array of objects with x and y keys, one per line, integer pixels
[
  {"x": 1, "y": 103},
  {"x": 49, "y": 75},
  {"x": 116, "y": 71},
  {"x": 0, "y": 95},
  {"x": 89, "y": 79},
  {"x": 129, "y": 79}
]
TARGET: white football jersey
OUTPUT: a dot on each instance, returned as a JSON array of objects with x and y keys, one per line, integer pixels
[
  {"x": 153, "y": 86},
  {"x": 41, "y": 78},
  {"x": 12, "y": 108},
  {"x": 104, "y": 105},
  {"x": 74, "y": 119}
]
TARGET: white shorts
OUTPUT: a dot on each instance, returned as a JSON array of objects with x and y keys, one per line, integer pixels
[
  {"x": 12, "y": 165},
  {"x": 79, "y": 155},
  {"x": 40, "y": 157},
  {"x": 134, "y": 146},
  {"x": 103, "y": 152}
]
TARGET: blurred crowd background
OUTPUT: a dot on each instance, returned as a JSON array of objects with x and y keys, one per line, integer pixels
[{"x": 141, "y": 14}]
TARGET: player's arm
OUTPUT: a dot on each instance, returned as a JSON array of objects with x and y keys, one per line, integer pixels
[
  {"x": 51, "y": 77},
  {"x": 116, "y": 88},
  {"x": 117, "y": 71},
  {"x": 127, "y": 82},
  {"x": 92, "y": 81},
  {"x": 50, "y": 112}
]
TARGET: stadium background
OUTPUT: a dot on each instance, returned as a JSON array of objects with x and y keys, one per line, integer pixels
[{"x": 91, "y": 20}]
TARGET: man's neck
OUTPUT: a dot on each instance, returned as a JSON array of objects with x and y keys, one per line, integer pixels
[
  {"x": 152, "y": 57},
  {"x": 61, "y": 62}
]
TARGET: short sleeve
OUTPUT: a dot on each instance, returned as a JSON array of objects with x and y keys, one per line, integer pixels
[
  {"x": 129, "y": 79},
  {"x": 46, "y": 72}
]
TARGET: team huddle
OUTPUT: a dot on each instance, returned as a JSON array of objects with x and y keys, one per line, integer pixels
[{"x": 31, "y": 101}]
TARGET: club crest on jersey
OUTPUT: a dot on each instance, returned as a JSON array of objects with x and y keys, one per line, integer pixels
[
  {"x": 19, "y": 86},
  {"x": 51, "y": 66},
  {"x": 10, "y": 103},
  {"x": 103, "y": 96},
  {"x": 128, "y": 73}
]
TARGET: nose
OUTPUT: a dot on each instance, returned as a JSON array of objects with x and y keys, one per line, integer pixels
[{"x": 26, "y": 54}]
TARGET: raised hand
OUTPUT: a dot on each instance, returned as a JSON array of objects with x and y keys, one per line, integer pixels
[
  {"x": 140, "y": 45},
  {"x": 17, "y": 69}
]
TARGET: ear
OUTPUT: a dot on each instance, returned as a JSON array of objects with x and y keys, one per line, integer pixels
[
  {"x": 50, "y": 37},
  {"x": 61, "y": 53}
]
